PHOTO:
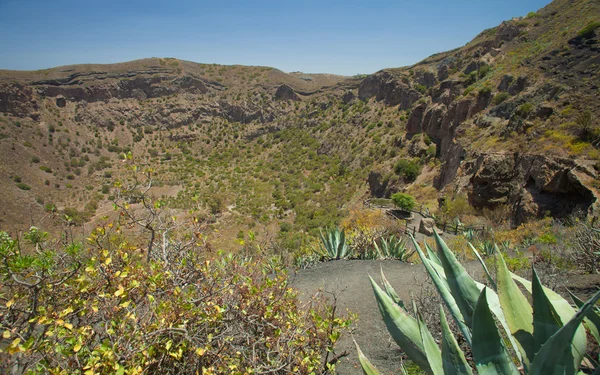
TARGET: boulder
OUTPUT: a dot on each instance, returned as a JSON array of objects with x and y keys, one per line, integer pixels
[
  {"x": 506, "y": 32},
  {"x": 507, "y": 79},
  {"x": 427, "y": 226},
  {"x": 61, "y": 101},
  {"x": 285, "y": 92},
  {"x": 348, "y": 97}
]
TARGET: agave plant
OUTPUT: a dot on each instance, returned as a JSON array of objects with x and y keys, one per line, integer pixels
[
  {"x": 392, "y": 248},
  {"x": 547, "y": 336},
  {"x": 469, "y": 234},
  {"x": 334, "y": 244}
]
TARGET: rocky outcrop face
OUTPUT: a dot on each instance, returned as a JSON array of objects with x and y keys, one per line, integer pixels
[
  {"x": 534, "y": 185},
  {"x": 285, "y": 92},
  {"x": 385, "y": 87},
  {"x": 17, "y": 99},
  {"x": 519, "y": 85},
  {"x": 427, "y": 79},
  {"x": 348, "y": 97},
  {"x": 506, "y": 32},
  {"x": 131, "y": 87},
  {"x": 413, "y": 126}
]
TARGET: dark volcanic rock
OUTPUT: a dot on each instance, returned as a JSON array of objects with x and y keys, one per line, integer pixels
[
  {"x": 285, "y": 92},
  {"x": 385, "y": 87},
  {"x": 16, "y": 99},
  {"x": 61, "y": 101}
]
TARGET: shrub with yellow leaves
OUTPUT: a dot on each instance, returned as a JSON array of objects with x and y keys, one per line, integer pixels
[{"x": 102, "y": 309}]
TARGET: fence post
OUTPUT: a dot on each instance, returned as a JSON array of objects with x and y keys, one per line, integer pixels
[{"x": 414, "y": 231}]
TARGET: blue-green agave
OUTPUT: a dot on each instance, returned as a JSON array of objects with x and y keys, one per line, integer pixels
[
  {"x": 547, "y": 335},
  {"x": 334, "y": 245}
]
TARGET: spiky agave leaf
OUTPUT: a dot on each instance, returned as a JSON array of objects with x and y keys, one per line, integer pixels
[
  {"x": 453, "y": 359},
  {"x": 390, "y": 290},
  {"x": 443, "y": 289},
  {"x": 517, "y": 311},
  {"x": 487, "y": 272},
  {"x": 565, "y": 312},
  {"x": 546, "y": 321},
  {"x": 403, "y": 328},
  {"x": 555, "y": 356},
  {"x": 432, "y": 350},
  {"x": 367, "y": 366},
  {"x": 461, "y": 285},
  {"x": 489, "y": 353},
  {"x": 592, "y": 320}
]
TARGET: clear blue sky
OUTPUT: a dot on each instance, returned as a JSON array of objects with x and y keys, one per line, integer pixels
[{"x": 342, "y": 37}]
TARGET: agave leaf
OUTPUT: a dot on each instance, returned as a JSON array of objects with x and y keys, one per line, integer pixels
[
  {"x": 565, "y": 312},
  {"x": 545, "y": 320},
  {"x": 554, "y": 356},
  {"x": 461, "y": 285},
  {"x": 403, "y": 328},
  {"x": 390, "y": 290},
  {"x": 444, "y": 291},
  {"x": 342, "y": 248},
  {"x": 517, "y": 311},
  {"x": 367, "y": 366},
  {"x": 453, "y": 359},
  {"x": 487, "y": 272},
  {"x": 434, "y": 355},
  {"x": 592, "y": 320},
  {"x": 379, "y": 252},
  {"x": 432, "y": 255},
  {"x": 496, "y": 309},
  {"x": 489, "y": 353}
]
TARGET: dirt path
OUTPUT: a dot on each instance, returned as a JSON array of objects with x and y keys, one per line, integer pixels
[{"x": 349, "y": 280}]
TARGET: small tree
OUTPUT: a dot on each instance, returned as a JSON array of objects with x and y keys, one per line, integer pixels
[{"x": 403, "y": 201}]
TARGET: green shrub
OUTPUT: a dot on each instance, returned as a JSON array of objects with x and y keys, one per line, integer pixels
[
  {"x": 499, "y": 98},
  {"x": 403, "y": 201},
  {"x": 23, "y": 186},
  {"x": 408, "y": 169},
  {"x": 589, "y": 30},
  {"x": 525, "y": 109},
  {"x": 45, "y": 169},
  {"x": 35, "y": 159}
]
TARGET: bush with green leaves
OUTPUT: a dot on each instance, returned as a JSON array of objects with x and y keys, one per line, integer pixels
[
  {"x": 407, "y": 168},
  {"x": 101, "y": 309},
  {"x": 405, "y": 202},
  {"x": 546, "y": 336}
]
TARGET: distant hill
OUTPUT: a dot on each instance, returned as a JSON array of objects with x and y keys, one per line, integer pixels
[{"x": 509, "y": 120}]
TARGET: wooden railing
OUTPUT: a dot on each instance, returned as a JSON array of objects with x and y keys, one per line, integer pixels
[{"x": 453, "y": 228}]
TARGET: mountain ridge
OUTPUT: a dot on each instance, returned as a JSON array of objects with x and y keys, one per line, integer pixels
[{"x": 509, "y": 100}]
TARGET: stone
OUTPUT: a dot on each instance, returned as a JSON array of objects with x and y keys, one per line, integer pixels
[
  {"x": 519, "y": 85},
  {"x": 348, "y": 97},
  {"x": 427, "y": 226},
  {"x": 507, "y": 79},
  {"x": 61, "y": 101},
  {"x": 285, "y": 92}
]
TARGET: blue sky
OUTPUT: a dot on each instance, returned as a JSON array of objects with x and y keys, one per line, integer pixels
[{"x": 342, "y": 37}]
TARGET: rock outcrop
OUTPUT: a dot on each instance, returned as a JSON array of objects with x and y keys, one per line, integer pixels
[
  {"x": 17, "y": 99},
  {"x": 386, "y": 87},
  {"x": 534, "y": 185},
  {"x": 285, "y": 92}
]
